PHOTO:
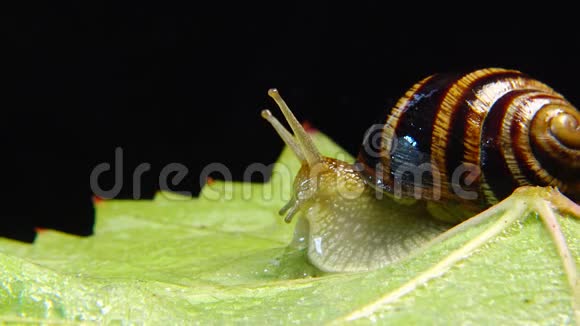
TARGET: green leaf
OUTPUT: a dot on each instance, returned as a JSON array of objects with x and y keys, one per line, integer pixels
[{"x": 223, "y": 257}]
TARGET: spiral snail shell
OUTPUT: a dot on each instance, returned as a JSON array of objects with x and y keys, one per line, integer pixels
[
  {"x": 451, "y": 146},
  {"x": 504, "y": 127}
]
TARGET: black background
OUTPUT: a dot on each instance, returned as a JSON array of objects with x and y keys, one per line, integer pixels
[{"x": 186, "y": 82}]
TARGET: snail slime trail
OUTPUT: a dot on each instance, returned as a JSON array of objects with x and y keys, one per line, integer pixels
[{"x": 453, "y": 145}]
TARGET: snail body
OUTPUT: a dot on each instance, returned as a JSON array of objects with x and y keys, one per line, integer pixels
[{"x": 453, "y": 145}]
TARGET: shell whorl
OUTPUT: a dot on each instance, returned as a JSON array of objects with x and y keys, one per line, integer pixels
[
  {"x": 500, "y": 128},
  {"x": 555, "y": 141}
]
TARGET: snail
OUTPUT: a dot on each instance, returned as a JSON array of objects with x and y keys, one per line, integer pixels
[{"x": 452, "y": 146}]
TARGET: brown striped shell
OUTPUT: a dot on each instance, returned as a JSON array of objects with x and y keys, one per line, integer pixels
[{"x": 473, "y": 138}]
